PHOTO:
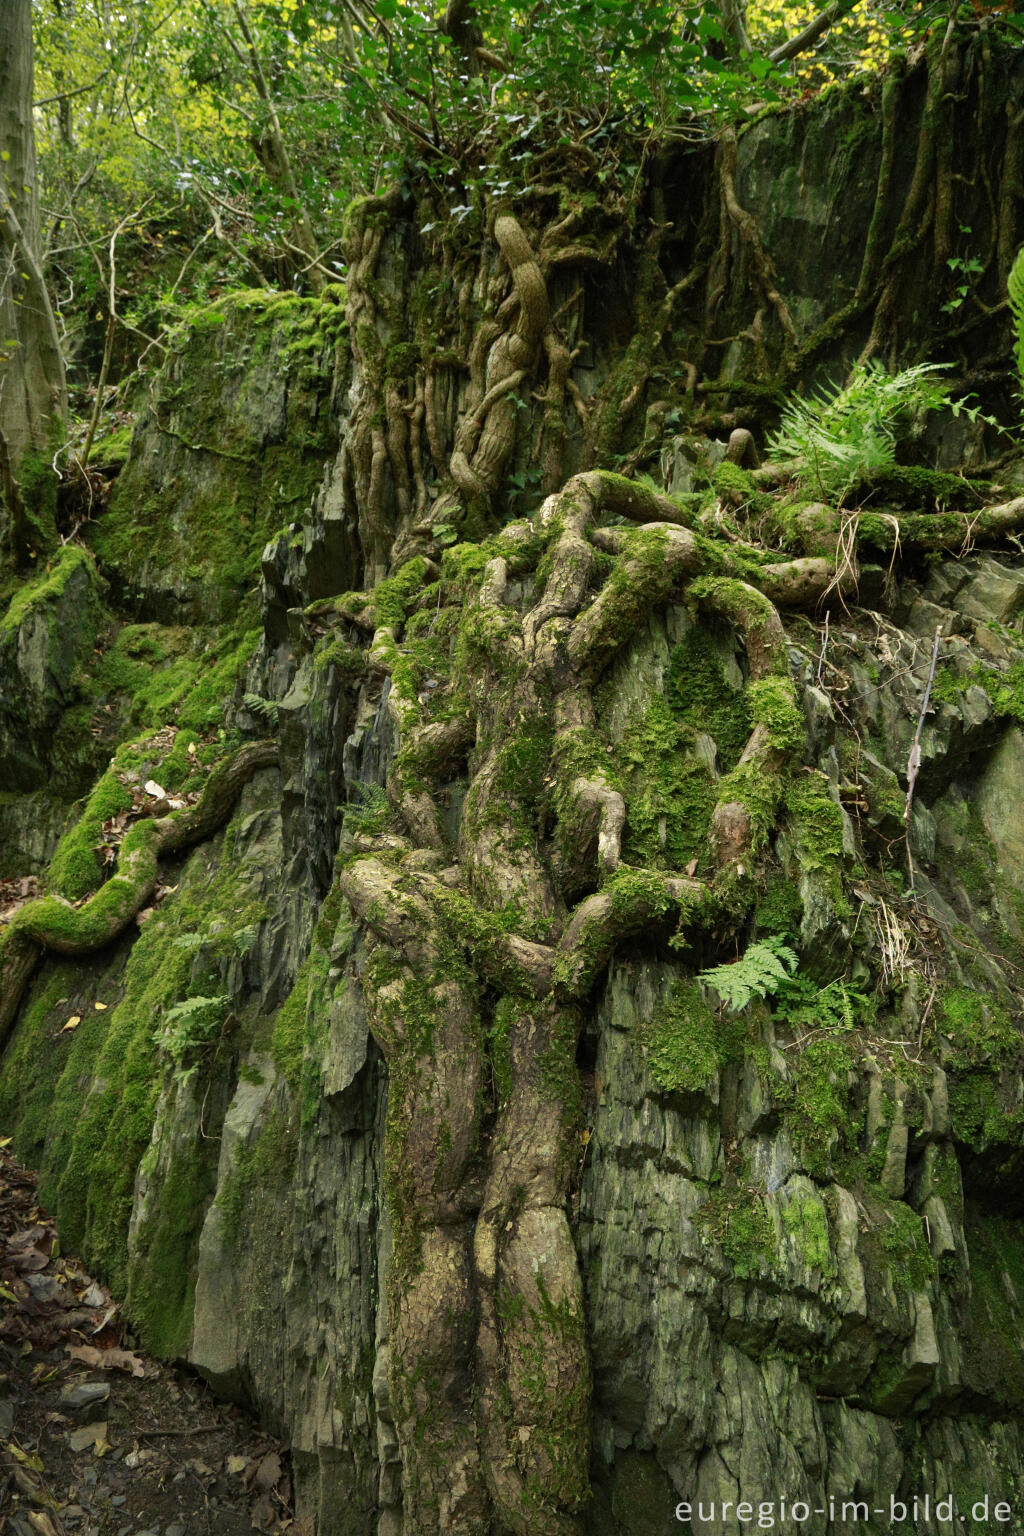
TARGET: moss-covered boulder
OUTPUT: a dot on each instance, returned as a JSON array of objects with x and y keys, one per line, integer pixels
[
  {"x": 229, "y": 446},
  {"x": 46, "y": 638}
]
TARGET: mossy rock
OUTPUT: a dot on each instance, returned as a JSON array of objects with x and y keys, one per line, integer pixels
[
  {"x": 47, "y": 637},
  {"x": 229, "y": 446}
]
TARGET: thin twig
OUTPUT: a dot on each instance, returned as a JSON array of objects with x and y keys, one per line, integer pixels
[
  {"x": 824, "y": 648},
  {"x": 914, "y": 760}
]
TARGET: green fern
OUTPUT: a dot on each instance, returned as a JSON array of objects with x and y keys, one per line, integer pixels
[
  {"x": 191, "y": 1024},
  {"x": 759, "y": 972},
  {"x": 369, "y": 814},
  {"x": 843, "y": 435},
  {"x": 803, "y": 1004},
  {"x": 265, "y": 710},
  {"x": 1015, "y": 294}
]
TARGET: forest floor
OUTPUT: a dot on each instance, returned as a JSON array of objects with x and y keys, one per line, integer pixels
[{"x": 96, "y": 1438}]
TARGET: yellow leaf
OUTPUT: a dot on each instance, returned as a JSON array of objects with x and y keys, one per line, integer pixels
[
  {"x": 72, "y": 1023},
  {"x": 5, "y": 1141},
  {"x": 100, "y": 1007}
]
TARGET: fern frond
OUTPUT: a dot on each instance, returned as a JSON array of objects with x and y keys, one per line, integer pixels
[
  {"x": 1015, "y": 294},
  {"x": 759, "y": 972},
  {"x": 265, "y": 710},
  {"x": 842, "y": 434}
]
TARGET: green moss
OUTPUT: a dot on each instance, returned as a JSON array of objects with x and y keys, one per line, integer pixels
[
  {"x": 700, "y": 696},
  {"x": 499, "y": 1046},
  {"x": 50, "y": 920},
  {"x": 266, "y": 1161},
  {"x": 808, "y": 527},
  {"x": 559, "y": 1078},
  {"x": 977, "y": 1028},
  {"x": 90, "y": 1146},
  {"x": 818, "y": 1101},
  {"x": 161, "y": 1293},
  {"x": 905, "y": 1246},
  {"x": 111, "y": 449},
  {"x": 47, "y": 585},
  {"x": 227, "y": 480},
  {"x": 817, "y": 827},
  {"x": 772, "y": 703},
  {"x": 917, "y": 487},
  {"x": 734, "y": 483},
  {"x": 758, "y": 790},
  {"x": 738, "y": 1220},
  {"x": 668, "y": 789},
  {"x": 780, "y": 907},
  {"x": 77, "y": 866},
  {"x": 557, "y": 1411},
  {"x": 805, "y": 1220},
  {"x": 37, "y": 483},
  {"x": 686, "y": 1043},
  {"x": 990, "y": 1340},
  {"x": 523, "y": 761},
  {"x": 288, "y": 1041},
  {"x": 44, "y": 1063},
  {"x": 390, "y": 598}
]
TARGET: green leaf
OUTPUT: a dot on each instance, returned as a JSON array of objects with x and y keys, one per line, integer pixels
[{"x": 759, "y": 972}]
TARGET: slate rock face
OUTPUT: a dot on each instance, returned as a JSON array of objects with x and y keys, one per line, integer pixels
[
  {"x": 800, "y": 1229},
  {"x": 45, "y": 637}
]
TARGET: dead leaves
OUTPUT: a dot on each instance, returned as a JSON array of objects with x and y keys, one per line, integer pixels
[
  {"x": 266, "y": 1476},
  {"x": 107, "y": 1359},
  {"x": 47, "y": 1297},
  {"x": 14, "y": 894}
]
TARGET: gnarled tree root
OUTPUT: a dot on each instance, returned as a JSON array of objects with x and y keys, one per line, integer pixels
[{"x": 51, "y": 924}]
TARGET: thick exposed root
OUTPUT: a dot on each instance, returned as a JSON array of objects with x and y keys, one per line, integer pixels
[{"x": 52, "y": 924}]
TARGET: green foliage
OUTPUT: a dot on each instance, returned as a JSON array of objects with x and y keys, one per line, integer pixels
[
  {"x": 369, "y": 814},
  {"x": 803, "y": 1004},
  {"x": 1015, "y": 294},
  {"x": 759, "y": 972},
  {"x": 845, "y": 434},
  {"x": 189, "y": 1026},
  {"x": 265, "y": 710}
]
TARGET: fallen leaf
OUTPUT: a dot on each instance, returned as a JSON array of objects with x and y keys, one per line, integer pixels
[
  {"x": 156, "y": 790},
  {"x": 23, "y": 1456},
  {"x": 88, "y": 1435},
  {"x": 236, "y": 1464},
  {"x": 41, "y": 1522},
  {"x": 72, "y": 1023},
  {"x": 30, "y": 1262},
  {"x": 5, "y": 1141},
  {"x": 107, "y": 1359},
  {"x": 100, "y": 1007},
  {"x": 269, "y": 1470}
]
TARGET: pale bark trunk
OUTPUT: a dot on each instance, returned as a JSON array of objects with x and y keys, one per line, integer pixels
[{"x": 33, "y": 394}]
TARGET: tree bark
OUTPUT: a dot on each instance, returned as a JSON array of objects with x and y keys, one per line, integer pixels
[{"x": 33, "y": 393}]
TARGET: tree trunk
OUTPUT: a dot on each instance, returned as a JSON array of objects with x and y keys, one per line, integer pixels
[{"x": 33, "y": 394}]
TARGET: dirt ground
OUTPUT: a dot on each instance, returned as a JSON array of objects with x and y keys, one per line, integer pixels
[{"x": 97, "y": 1439}]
